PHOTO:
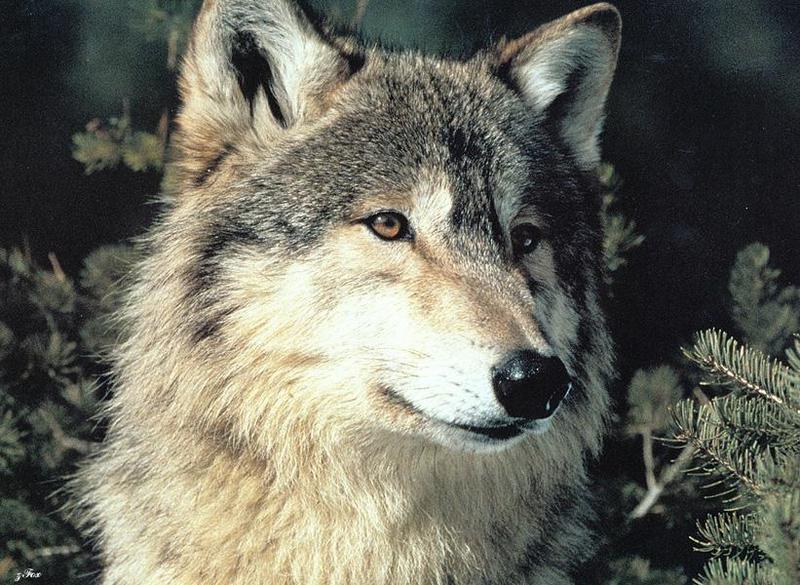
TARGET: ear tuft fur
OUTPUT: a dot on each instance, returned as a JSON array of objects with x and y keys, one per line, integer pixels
[
  {"x": 253, "y": 72},
  {"x": 563, "y": 70}
]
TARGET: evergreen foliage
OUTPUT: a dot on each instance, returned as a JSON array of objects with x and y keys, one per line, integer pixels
[
  {"x": 107, "y": 145},
  {"x": 165, "y": 21},
  {"x": 50, "y": 335},
  {"x": 739, "y": 439},
  {"x": 748, "y": 441},
  {"x": 640, "y": 571},
  {"x": 765, "y": 312},
  {"x": 650, "y": 394},
  {"x": 620, "y": 233}
]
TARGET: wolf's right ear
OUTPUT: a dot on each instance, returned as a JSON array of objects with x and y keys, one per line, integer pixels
[{"x": 255, "y": 64}]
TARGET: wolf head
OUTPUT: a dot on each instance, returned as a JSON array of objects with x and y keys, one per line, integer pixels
[{"x": 381, "y": 244}]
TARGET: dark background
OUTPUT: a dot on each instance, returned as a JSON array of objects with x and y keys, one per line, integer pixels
[{"x": 703, "y": 126}]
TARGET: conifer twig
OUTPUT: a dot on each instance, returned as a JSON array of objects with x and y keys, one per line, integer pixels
[
  {"x": 655, "y": 487},
  {"x": 56, "y": 265},
  {"x": 5, "y": 564},
  {"x": 52, "y": 551},
  {"x": 361, "y": 10},
  {"x": 722, "y": 370},
  {"x": 649, "y": 464},
  {"x": 723, "y": 357},
  {"x": 701, "y": 396},
  {"x": 717, "y": 458},
  {"x": 64, "y": 441}
]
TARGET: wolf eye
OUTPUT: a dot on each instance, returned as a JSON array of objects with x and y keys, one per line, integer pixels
[
  {"x": 525, "y": 239},
  {"x": 389, "y": 225}
]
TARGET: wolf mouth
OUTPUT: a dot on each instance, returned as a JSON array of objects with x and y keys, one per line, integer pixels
[
  {"x": 496, "y": 433},
  {"x": 490, "y": 433}
]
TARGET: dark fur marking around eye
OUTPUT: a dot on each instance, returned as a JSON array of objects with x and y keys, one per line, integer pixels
[
  {"x": 470, "y": 161},
  {"x": 253, "y": 71},
  {"x": 481, "y": 217},
  {"x": 495, "y": 229}
]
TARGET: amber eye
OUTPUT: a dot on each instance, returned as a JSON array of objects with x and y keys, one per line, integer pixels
[
  {"x": 525, "y": 239},
  {"x": 389, "y": 225}
]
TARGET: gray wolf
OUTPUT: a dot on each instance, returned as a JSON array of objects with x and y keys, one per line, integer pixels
[{"x": 365, "y": 343}]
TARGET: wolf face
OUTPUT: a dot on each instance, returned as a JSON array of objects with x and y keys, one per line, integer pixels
[
  {"x": 405, "y": 245},
  {"x": 365, "y": 342}
]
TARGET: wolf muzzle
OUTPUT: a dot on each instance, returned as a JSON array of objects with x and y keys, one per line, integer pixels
[{"x": 531, "y": 386}]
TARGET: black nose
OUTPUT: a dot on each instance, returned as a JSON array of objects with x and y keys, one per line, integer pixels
[{"x": 529, "y": 385}]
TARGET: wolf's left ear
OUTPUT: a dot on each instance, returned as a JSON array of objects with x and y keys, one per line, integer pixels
[{"x": 563, "y": 70}]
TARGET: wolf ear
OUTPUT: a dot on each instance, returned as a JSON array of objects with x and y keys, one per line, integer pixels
[
  {"x": 258, "y": 64},
  {"x": 563, "y": 70}
]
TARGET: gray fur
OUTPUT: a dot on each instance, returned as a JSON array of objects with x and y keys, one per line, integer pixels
[{"x": 285, "y": 133}]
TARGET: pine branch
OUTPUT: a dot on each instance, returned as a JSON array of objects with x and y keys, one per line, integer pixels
[
  {"x": 699, "y": 427},
  {"x": 738, "y": 366},
  {"x": 793, "y": 359},
  {"x": 764, "y": 311},
  {"x": 56, "y": 265},
  {"x": 12, "y": 449},
  {"x": 620, "y": 235},
  {"x": 724, "y": 571},
  {"x": 647, "y": 456},
  {"x": 729, "y": 535},
  {"x": 780, "y": 533},
  {"x": 760, "y": 424},
  {"x": 650, "y": 395}
]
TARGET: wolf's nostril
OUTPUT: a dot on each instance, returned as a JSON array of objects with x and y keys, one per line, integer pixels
[{"x": 530, "y": 385}]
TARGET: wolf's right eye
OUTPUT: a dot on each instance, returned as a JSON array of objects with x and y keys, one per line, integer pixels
[
  {"x": 389, "y": 225},
  {"x": 525, "y": 239}
]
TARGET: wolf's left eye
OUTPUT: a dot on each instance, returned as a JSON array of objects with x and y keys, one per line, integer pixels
[
  {"x": 525, "y": 239},
  {"x": 389, "y": 225}
]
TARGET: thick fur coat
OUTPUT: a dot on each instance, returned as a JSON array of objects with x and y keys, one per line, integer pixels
[{"x": 303, "y": 399}]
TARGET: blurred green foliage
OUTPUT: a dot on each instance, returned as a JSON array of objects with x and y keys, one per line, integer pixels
[
  {"x": 650, "y": 394},
  {"x": 620, "y": 232},
  {"x": 765, "y": 312},
  {"x": 639, "y": 571},
  {"x": 51, "y": 332},
  {"x": 103, "y": 146}
]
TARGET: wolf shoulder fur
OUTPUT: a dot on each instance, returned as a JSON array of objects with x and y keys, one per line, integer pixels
[{"x": 365, "y": 342}]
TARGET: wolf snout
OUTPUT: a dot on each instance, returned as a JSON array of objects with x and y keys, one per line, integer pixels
[{"x": 530, "y": 385}]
